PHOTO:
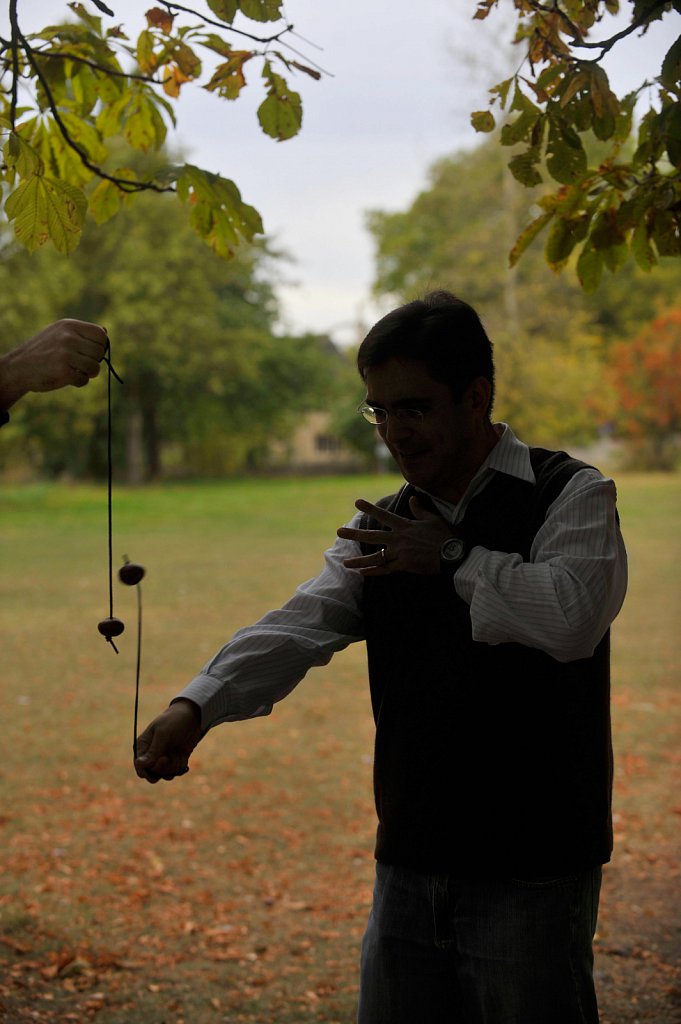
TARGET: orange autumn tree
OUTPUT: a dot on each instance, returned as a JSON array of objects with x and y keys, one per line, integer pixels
[{"x": 645, "y": 372}]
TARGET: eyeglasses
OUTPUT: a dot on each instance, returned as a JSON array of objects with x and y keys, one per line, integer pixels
[{"x": 376, "y": 415}]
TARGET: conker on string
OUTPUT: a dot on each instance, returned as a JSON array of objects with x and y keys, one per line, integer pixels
[
  {"x": 130, "y": 573},
  {"x": 110, "y": 627}
]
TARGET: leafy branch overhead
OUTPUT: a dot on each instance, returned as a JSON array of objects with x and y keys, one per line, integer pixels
[
  {"x": 75, "y": 91},
  {"x": 618, "y": 176}
]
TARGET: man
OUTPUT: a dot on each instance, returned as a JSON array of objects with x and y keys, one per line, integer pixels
[
  {"x": 64, "y": 352},
  {"x": 484, "y": 590}
]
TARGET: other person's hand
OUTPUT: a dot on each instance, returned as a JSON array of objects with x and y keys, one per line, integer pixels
[{"x": 65, "y": 352}]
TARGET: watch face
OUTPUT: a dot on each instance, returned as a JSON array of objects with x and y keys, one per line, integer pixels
[{"x": 453, "y": 550}]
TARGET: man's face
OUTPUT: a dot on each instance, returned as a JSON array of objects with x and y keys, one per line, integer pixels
[{"x": 436, "y": 453}]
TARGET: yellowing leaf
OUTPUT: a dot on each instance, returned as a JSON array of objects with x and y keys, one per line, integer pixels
[
  {"x": 43, "y": 209},
  {"x": 105, "y": 201},
  {"x": 527, "y": 236},
  {"x": 228, "y": 79},
  {"x": 158, "y": 18},
  {"x": 173, "y": 80},
  {"x": 483, "y": 121}
]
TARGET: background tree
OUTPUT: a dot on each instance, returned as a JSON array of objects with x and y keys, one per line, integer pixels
[
  {"x": 551, "y": 340},
  {"x": 207, "y": 380},
  {"x": 628, "y": 199},
  {"x": 71, "y": 91},
  {"x": 645, "y": 373}
]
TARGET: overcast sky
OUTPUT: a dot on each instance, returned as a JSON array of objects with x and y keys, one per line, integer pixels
[{"x": 403, "y": 78}]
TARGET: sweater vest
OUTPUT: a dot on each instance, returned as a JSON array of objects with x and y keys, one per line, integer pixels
[{"x": 489, "y": 759}]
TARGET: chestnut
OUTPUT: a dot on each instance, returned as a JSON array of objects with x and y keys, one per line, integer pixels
[
  {"x": 130, "y": 573},
  {"x": 110, "y": 627}
]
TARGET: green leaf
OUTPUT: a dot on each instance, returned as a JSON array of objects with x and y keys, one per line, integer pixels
[
  {"x": 616, "y": 256},
  {"x": 632, "y": 211},
  {"x": 262, "y": 10},
  {"x": 225, "y": 10},
  {"x": 547, "y": 78},
  {"x": 22, "y": 157},
  {"x": 501, "y": 90},
  {"x": 650, "y": 10},
  {"x": 573, "y": 85},
  {"x": 672, "y": 134},
  {"x": 91, "y": 20},
  {"x": 606, "y": 232},
  {"x": 523, "y": 167},
  {"x": 564, "y": 236},
  {"x": 483, "y": 121},
  {"x": 589, "y": 268},
  {"x": 641, "y": 248},
  {"x": 217, "y": 211},
  {"x": 281, "y": 114},
  {"x": 217, "y": 44},
  {"x": 604, "y": 127},
  {"x": 520, "y": 129},
  {"x": 565, "y": 156},
  {"x": 603, "y": 100},
  {"x": 527, "y": 236},
  {"x": 43, "y": 209},
  {"x": 623, "y": 121},
  {"x": 666, "y": 234}
]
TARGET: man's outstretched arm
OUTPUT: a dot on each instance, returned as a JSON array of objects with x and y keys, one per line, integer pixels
[{"x": 165, "y": 746}]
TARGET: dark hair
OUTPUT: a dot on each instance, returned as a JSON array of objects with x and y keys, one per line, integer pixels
[{"x": 439, "y": 330}]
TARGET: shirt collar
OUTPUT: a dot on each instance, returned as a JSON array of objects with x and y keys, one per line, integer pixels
[{"x": 509, "y": 456}]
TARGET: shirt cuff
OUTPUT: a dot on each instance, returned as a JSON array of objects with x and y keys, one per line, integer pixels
[
  {"x": 219, "y": 702},
  {"x": 469, "y": 572}
]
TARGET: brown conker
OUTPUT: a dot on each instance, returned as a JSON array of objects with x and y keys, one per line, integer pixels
[
  {"x": 110, "y": 627},
  {"x": 131, "y": 573}
]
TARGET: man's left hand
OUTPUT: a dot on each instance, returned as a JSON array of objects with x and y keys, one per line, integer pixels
[{"x": 405, "y": 545}]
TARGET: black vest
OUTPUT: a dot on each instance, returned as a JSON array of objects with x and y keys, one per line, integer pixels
[{"x": 489, "y": 759}]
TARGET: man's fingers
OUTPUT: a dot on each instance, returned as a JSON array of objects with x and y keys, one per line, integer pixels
[
  {"x": 166, "y": 744},
  {"x": 387, "y": 518},
  {"x": 379, "y": 537},
  {"x": 419, "y": 511}
]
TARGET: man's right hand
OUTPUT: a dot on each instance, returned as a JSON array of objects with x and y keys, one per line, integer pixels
[{"x": 163, "y": 749}]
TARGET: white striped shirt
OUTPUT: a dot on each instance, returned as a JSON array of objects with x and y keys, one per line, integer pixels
[{"x": 562, "y": 601}]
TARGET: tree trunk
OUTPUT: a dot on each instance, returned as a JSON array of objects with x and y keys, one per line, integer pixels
[{"x": 134, "y": 447}]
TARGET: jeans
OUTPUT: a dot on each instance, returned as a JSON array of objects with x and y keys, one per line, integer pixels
[{"x": 440, "y": 950}]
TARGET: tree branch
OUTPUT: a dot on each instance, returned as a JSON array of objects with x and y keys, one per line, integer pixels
[
  {"x": 122, "y": 183},
  {"x": 223, "y": 25},
  {"x": 15, "y": 60},
  {"x": 98, "y": 67},
  {"x": 607, "y": 44}
]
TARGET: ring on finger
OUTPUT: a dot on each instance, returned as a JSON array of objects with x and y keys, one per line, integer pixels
[{"x": 383, "y": 561}]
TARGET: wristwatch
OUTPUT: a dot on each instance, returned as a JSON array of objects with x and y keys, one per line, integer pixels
[{"x": 452, "y": 554}]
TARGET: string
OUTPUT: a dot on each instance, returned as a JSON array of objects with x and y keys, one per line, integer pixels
[
  {"x": 138, "y": 588},
  {"x": 109, "y": 461},
  {"x": 139, "y": 571}
]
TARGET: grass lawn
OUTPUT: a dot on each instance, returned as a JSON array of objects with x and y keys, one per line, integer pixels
[{"x": 240, "y": 892}]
